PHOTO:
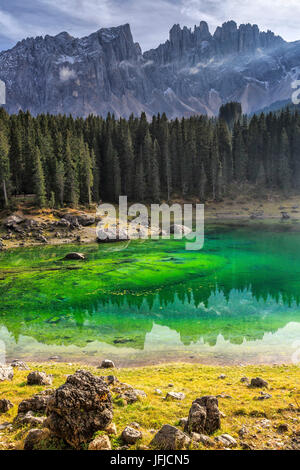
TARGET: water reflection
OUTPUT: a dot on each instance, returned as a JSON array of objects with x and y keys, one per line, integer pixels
[{"x": 248, "y": 307}]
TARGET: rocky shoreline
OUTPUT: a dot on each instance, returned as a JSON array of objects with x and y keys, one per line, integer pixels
[{"x": 30, "y": 227}]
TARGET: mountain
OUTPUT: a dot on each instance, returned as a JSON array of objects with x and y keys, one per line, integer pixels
[{"x": 193, "y": 72}]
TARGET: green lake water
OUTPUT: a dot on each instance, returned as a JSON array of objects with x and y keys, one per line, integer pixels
[{"x": 235, "y": 301}]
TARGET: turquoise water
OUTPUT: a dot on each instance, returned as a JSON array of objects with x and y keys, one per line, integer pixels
[{"x": 236, "y": 301}]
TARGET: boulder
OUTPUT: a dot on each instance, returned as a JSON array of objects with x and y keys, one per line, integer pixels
[
  {"x": 183, "y": 422},
  {"x": 6, "y": 373},
  {"x": 86, "y": 219},
  {"x": 259, "y": 383},
  {"x": 34, "y": 437},
  {"x": 13, "y": 220},
  {"x": 175, "y": 396},
  {"x": 111, "y": 429},
  {"x": 196, "y": 420},
  {"x": 170, "y": 438},
  {"x": 111, "y": 379},
  {"x": 80, "y": 219},
  {"x": 245, "y": 380},
  {"x": 100, "y": 443},
  {"x": 282, "y": 428},
  {"x": 38, "y": 378},
  {"x": 131, "y": 435},
  {"x": 5, "y": 425},
  {"x": 285, "y": 216},
  {"x": 19, "y": 365},
  {"x": 264, "y": 396},
  {"x": 204, "y": 416},
  {"x": 107, "y": 364},
  {"x": 63, "y": 223},
  {"x": 202, "y": 439},
  {"x": 75, "y": 256},
  {"x": 29, "y": 419},
  {"x": 38, "y": 403},
  {"x": 132, "y": 395},
  {"x": 226, "y": 441},
  {"x": 79, "y": 408},
  {"x": 5, "y": 405}
]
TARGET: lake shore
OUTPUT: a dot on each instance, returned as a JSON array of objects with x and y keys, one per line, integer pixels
[
  {"x": 35, "y": 227},
  {"x": 256, "y": 418}
]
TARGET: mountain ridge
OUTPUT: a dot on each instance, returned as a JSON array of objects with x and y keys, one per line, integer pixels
[{"x": 193, "y": 72}]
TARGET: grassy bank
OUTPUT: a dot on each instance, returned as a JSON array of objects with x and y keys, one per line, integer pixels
[{"x": 238, "y": 403}]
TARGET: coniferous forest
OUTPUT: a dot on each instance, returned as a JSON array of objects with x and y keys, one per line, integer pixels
[{"x": 67, "y": 161}]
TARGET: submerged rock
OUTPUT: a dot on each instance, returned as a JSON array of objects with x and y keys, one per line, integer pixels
[
  {"x": 177, "y": 229},
  {"x": 79, "y": 408},
  {"x": 75, "y": 256}
]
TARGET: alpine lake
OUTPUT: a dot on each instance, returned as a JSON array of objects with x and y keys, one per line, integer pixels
[{"x": 148, "y": 302}]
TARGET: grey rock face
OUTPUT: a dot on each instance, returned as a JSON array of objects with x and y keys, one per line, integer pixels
[
  {"x": 79, "y": 408},
  {"x": 193, "y": 72}
]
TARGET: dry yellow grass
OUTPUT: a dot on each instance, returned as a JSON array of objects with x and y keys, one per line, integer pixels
[{"x": 242, "y": 409}]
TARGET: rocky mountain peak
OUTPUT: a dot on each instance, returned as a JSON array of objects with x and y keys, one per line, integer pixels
[{"x": 193, "y": 72}]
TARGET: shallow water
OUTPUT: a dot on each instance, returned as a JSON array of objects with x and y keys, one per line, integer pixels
[{"x": 236, "y": 301}]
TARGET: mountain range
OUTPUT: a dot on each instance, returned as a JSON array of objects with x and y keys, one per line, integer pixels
[{"x": 193, "y": 72}]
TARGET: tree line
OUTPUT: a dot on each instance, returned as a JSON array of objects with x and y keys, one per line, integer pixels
[{"x": 68, "y": 161}]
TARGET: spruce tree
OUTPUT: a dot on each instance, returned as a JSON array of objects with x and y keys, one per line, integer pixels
[
  {"x": 39, "y": 180},
  {"x": 4, "y": 169}
]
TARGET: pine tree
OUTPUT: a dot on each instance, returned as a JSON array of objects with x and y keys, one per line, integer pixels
[
  {"x": 284, "y": 171},
  {"x": 139, "y": 181},
  {"x": 59, "y": 183},
  {"x": 70, "y": 179},
  {"x": 86, "y": 174},
  {"x": 4, "y": 169},
  {"x": 154, "y": 169},
  {"x": 39, "y": 180}
]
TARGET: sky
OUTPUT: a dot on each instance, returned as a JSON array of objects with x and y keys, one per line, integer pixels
[{"x": 150, "y": 20}]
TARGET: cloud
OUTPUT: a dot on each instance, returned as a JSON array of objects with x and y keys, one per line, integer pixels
[
  {"x": 150, "y": 20},
  {"x": 66, "y": 74}
]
